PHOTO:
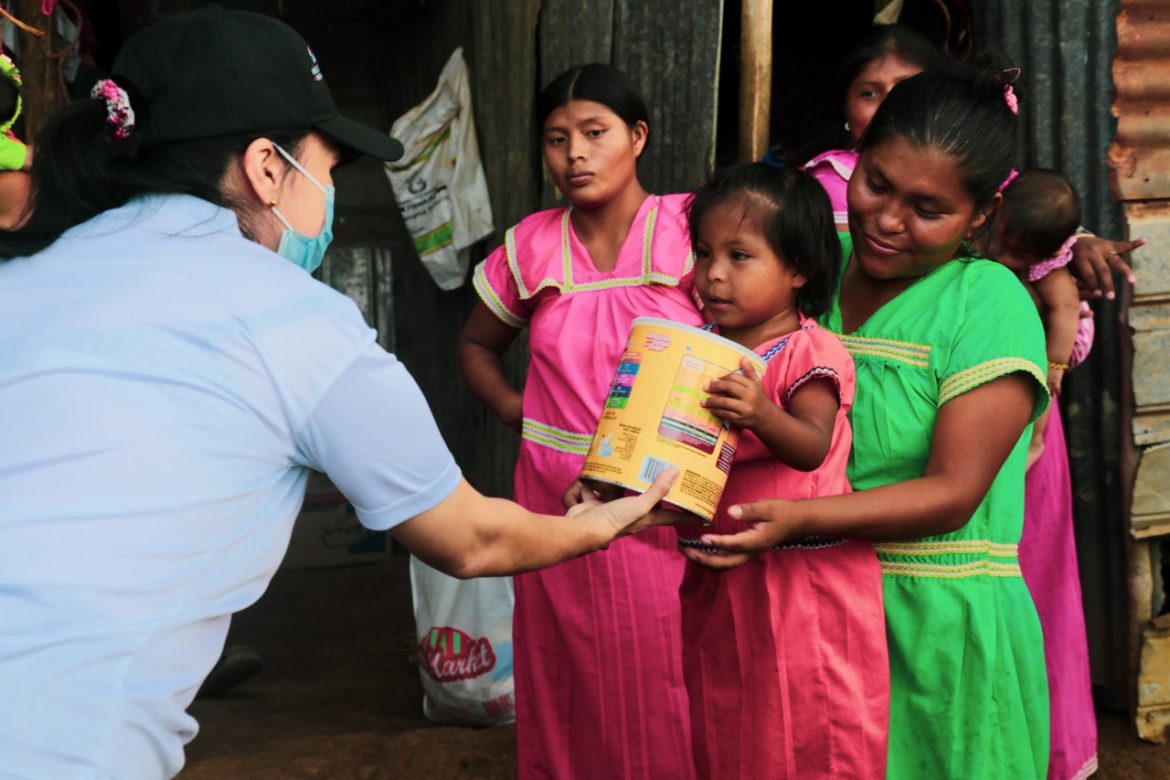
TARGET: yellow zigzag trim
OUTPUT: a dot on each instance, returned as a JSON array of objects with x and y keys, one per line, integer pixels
[
  {"x": 1007, "y": 566},
  {"x": 486, "y": 294},
  {"x": 566, "y": 252},
  {"x": 917, "y": 355},
  {"x": 647, "y": 237},
  {"x": 510, "y": 251},
  {"x": 648, "y": 273},
  {"x": 555, "y": 438},
  {"x": 960, "y": 571},
  {"x": 558, "y": 432},
  {"x": 970, "y": 378},
  {"x": 955, "y": 546}
]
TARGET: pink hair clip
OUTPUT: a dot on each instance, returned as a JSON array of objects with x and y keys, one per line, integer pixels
[
  {"x": 1010, "y": 178},
  {"x": 119, "y": 114},
  {"x": 1009, "y": 94}
]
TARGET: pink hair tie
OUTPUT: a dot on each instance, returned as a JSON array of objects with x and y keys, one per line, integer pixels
[
  {"x": 1009, "y": 93},
  {"x": 1062, "y": 258},
  {"x": 1009, "y": 97},
  {"x": 119, "y": 114},
  {"x": 1010, "y": 178}
]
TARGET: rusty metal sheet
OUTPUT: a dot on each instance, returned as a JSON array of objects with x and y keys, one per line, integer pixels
[{"x": 1140, "y": 155}]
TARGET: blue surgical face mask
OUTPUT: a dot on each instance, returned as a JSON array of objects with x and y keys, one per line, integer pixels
[{"x": 302, "y": 250}]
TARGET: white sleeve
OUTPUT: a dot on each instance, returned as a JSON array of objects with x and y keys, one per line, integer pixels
[{"x": 374, "y": 436}]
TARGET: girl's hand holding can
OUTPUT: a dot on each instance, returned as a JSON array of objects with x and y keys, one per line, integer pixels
[{"x": 738, "y": 398}]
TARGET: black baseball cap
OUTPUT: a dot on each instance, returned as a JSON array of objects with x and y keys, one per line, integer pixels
[{"x": 215, "y": 72}]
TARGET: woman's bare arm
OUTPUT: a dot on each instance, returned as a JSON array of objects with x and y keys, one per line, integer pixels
[
  {"x": 479, "y": 353},
  {"x": 973, "y": 436},
  {"x": 469, "y": 534}
]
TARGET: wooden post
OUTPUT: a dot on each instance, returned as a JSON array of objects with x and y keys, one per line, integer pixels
[
  {"x": 755, "y": 78},
  {"x": 41, "y": 73}
]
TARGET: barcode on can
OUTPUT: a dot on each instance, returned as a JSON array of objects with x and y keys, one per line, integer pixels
[{"x": 652, "y": 467}]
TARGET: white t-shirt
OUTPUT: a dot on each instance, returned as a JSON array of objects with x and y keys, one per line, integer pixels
[{"x": 165, "y": 387}]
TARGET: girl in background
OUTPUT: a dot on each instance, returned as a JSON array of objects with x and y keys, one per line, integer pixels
[
  {"x": 599, "y": 685},
  {"x": 889, "y": 54},
  {"x": 785, "y": 656}
]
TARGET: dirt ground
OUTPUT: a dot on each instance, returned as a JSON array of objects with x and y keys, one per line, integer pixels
[{"x": 340, "y": 695}]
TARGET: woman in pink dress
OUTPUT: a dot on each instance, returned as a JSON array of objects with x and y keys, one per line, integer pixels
[
  {"x": 599, "y": 685},
  {"x": 785, "y": 656}
]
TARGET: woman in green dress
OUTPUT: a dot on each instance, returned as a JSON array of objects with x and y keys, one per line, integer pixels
[{"x": 950, "y": 374}]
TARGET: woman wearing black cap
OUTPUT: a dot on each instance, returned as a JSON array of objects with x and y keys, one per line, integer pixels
[{"x": 169, "y": 379}]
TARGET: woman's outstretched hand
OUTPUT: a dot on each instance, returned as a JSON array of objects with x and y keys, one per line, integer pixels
[
  {"x": 766, "y": 524},
  {"x": 1094, "y": 261},
  {"x": 627, "y": 515}
]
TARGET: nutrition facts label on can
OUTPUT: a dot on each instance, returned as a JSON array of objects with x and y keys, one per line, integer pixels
[{"x": 684, "y": 419}]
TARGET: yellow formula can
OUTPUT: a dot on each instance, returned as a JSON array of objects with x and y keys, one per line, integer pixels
[{"x": 652, "y": 418}]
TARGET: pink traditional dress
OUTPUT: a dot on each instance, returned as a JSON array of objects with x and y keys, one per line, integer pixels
[
  {"x": 1048, "y": 561},
  {"x": 833, "y": 169},
  {"x": 785, "y": 656},
  {"x": 598, "y": 670}
]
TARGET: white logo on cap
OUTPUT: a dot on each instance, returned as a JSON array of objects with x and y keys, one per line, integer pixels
[{"x": 316, "y": 69}]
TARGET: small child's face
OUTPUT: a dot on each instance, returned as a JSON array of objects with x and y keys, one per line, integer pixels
[{"x": 743, "y": 282}]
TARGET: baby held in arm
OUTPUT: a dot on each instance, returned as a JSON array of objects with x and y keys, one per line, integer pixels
[{"x": 1034, "y": 235}]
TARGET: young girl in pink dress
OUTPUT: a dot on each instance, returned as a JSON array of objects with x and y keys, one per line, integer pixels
[
  {"x": 599, "y": 686},
  {"x": 785, "y": 656}
]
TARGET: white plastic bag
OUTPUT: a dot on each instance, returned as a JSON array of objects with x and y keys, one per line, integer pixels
[
  {"x": 464, "y": 633},
  {"x": 439, "y": 182}
]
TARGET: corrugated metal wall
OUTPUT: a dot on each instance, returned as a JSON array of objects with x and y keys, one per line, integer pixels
[
  {"x": 1065, "y": 50},
  {"x": 1140, "y": 162}
]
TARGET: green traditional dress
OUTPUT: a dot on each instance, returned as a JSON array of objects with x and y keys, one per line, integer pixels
[{"x": 968, "y": 692}]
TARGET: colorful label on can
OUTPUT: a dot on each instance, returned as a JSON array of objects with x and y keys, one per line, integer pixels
[
  {"x": 623, "y": 380},
  {"x": 653, "y": 417},
  {"x": 684, "y": 419}
]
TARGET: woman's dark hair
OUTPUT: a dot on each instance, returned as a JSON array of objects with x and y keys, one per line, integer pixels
[
  {"x": 794, "y": 213},
  {"x": 1040, "y": 211},
  {"x": 886, "y": 40},
  {"x": 598, "y": 82},
  {"x": 959, "y": 110},
  {"x": 78, "y": 172}
]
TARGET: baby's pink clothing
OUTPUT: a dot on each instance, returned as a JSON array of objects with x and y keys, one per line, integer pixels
[
  {"x": 599, "y": 686},
  {"x": 785, "y": 656},
  {"x": 1086, "y": 327},
  {"x": 1063, "y": 257},
  {"x": 833, "y": 169}
]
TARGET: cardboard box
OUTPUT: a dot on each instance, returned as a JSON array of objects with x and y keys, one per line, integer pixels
[{"x": 327, "y": 532}]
